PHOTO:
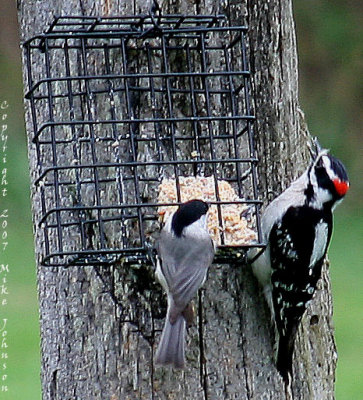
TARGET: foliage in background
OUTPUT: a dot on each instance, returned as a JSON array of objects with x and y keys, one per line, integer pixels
[
  {"x": 330, "y": 52},
  {"x": 330, "y": 66}
]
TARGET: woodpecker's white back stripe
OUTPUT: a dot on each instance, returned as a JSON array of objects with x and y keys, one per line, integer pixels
[{"x": 320, "y": 242}]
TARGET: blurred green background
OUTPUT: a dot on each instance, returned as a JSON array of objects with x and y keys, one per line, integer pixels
[{"x": 330, "y": 67}]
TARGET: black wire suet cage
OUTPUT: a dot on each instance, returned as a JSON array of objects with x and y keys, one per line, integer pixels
[{"x": 120, "y": 103}]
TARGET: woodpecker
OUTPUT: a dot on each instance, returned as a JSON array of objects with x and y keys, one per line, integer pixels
[{"x": 297, "y": 227}]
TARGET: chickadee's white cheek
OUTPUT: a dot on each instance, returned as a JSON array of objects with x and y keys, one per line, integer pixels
[{"x": 197, "y": 229}]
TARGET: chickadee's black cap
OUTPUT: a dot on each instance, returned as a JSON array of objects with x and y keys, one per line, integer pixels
[{"x": 188, "y": 213}]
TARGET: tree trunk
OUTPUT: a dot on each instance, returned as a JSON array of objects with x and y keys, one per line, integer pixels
[{"x": 98, "y": 346}]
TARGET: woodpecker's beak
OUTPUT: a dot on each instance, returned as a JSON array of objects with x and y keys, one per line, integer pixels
[
  {"x": 341, "y": 187},
  {"x": 318, "y": 147},
  {"x": 314, "y": 148}
]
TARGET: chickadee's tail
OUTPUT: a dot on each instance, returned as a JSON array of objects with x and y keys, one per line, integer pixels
[{"x": 172, "y": 343}]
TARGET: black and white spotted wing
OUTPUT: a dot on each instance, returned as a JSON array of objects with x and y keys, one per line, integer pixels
[{"x": 298, "y": 244}]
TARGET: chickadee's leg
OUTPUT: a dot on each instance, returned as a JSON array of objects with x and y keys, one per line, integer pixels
[{"x": 188, "y": 314}]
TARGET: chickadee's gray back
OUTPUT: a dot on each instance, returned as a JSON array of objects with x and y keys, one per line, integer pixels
[{"x": 185, "y": 252}]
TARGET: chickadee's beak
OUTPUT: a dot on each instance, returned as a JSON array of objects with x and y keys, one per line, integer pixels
[{"x": 161, "y": 216}]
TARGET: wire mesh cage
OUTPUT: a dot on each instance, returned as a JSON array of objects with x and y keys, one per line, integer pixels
[{"x": 131, "y": 117}]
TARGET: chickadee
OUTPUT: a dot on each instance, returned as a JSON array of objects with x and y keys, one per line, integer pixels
[{"x": 185, "y": 252}]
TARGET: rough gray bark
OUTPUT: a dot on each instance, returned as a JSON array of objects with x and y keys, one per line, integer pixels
[{"x": 89, "y": 351}]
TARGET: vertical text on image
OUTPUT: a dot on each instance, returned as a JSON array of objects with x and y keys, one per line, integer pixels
[{"x": 4, "y": 268}]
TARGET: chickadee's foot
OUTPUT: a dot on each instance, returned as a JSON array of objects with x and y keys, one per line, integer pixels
[{"x": 188, "y": 314}]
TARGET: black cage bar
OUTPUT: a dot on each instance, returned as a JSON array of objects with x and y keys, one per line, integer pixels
[{"x": 120, "y": 103}]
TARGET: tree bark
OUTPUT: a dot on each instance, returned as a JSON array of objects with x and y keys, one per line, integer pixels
[{"x": 98, "y": 346}]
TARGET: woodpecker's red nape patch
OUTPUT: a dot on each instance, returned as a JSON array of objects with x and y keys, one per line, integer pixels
[{"x": 341, "y": 187}]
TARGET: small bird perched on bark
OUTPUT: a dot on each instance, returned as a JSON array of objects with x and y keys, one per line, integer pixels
[{"x": 185, "y": 252}]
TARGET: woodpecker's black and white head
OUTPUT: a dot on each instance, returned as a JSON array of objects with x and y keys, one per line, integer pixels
[{"x": 327, "y": 181}]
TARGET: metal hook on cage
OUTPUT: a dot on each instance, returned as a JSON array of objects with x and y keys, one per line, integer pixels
[
  {"x": 47, "y": 31},
  {"x": 151, "y": 255},
  {"x": 154, "y": 8},
  {"x": 197, "y": 166}
]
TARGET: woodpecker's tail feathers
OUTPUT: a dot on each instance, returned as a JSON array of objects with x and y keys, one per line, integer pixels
[
  {"x": 284, "y": 355},
  {"x": 171, "y": 348}
]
